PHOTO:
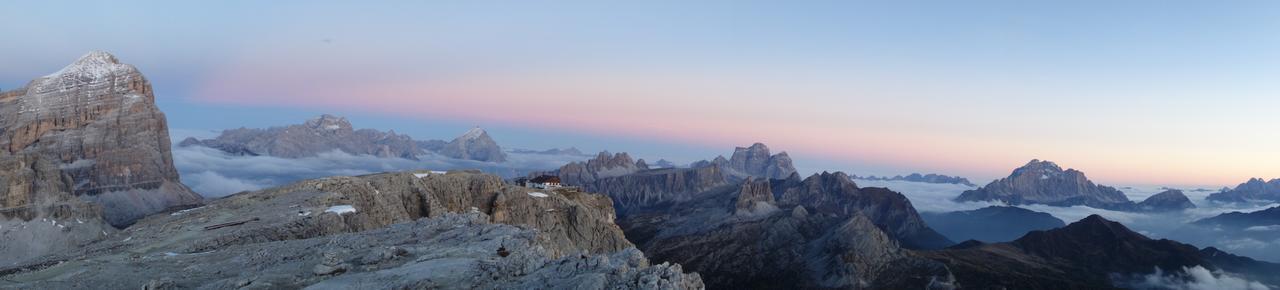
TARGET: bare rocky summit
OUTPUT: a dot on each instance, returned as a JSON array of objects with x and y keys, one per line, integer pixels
[
  {"x": 87, "y": 139},
  {"x": 456, "y": 230},
  {"x": 1043, "y": 182}
]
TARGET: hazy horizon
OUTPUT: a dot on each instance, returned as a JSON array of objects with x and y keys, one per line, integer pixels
[{"x": 1134, "y": 93}]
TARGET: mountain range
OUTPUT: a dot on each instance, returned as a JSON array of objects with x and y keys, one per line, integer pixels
[
  {"x": 917, "y": 177},
  {"x": 1093, "y": 253},
  {"x": 1044, "y": 182},
  {"x": 327, "y": 133},
  {"x": 93, "y": 201},
  {"x": 1253, "y": 190}
]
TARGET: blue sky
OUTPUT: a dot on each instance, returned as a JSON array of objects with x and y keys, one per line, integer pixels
[{"x": 1167, "y": 92}]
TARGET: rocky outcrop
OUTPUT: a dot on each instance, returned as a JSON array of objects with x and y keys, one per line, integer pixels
[
  {"x": 89, "y": 132},
  {"x": 322, "y": 134},
  {"x": 474, "y": 145},
  {"x": 571, "y": 221},
  {"x": 450, "y": 251},
  {"x": 1168, "y": 200},
  {"x": 1043, "y": 182},
  {"x": 385, "y": 231},
  {"x": 754, "y": 161},
  {"x": 926, "y": 178},
  {"x": 604, "y": 165},
  {"x": 990, "y": 224},
  {"x": 1253, "y": 190},
  {"x": 754, "y": 197}
]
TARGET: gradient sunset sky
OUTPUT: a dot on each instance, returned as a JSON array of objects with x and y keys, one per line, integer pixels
[{"x": 1130, "y": 92}]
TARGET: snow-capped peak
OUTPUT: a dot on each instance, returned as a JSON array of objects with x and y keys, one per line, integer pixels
[
  {"x": 95, "y": 64},
  {"x": 474, "y": 133}
]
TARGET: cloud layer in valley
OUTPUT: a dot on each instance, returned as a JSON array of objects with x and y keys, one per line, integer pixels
[
  {"x": 1261, "y": 243},
  {"x": 214, "y": 173}
]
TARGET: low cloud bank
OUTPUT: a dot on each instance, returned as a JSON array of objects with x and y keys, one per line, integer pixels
[
  {"x": 214, "y": 173},
  {"x": 1261, "y": 243},
  {"x": 1193, "y": 278}
]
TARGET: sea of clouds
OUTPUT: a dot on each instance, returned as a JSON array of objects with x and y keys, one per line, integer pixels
[
  {"x": 214, "y": 173},
  {"x": 1262, "y": 243}
]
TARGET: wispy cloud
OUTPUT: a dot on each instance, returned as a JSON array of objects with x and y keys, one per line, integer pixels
[{"x": 1189, "y": 278}]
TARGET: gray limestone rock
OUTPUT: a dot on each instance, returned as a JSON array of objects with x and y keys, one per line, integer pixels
[
  {"x": 91, "y": 132},
  {"x": 1043, "y": 182},
  {"x": 456, "y": 230}
]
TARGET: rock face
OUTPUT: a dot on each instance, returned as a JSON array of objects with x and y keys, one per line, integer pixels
[
  {"x": 89, "y": 132},
  {"x": 990, "y": 224},
  {"x": 322, "y": 134},
  {"x": 820, "y": 232},
  {"x": 1043, "y": 182},
  {"x": 604, "y": 165},
  {"x": 1087, "y": 254},
  {"x": 658, "y": 187},
  {"x": 474, "y": 145},
  {"x": 384, "y": 231},
  {"x": 1169, "y": 200},
  {"x": 754, "y": 161},
  {"x": 1253, "y": 190},
  {"x": 754, "y": 197},
  {"x": 926, "y": 178}
]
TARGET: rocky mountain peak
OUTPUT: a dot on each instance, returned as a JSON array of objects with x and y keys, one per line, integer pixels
[
  {"x": 604, "y": 165},
  {"x": 1044, "y": 182},
  {"x": 475, "y": 144},
  {"x": 90, "y": 131},
  {"x": 1255, "y": 189},
  {"x": 1169, "y": 200},
  {"x": 754, "y": 197},
  {"x": 755, "y": 160},
  {"x": 837, "y": 180}
]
